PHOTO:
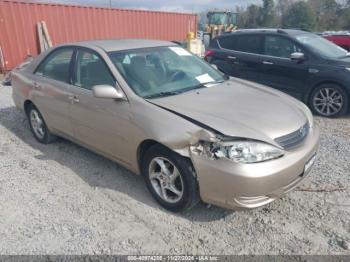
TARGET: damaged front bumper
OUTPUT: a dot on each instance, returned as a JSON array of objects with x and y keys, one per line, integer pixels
[{"x": 237, "y": 185}]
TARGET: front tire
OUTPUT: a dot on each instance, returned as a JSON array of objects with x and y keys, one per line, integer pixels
[
  {"x": 170, "y": 179},
  {"x": 38, "y": 126},
  {"x": 329, "y": 100}
]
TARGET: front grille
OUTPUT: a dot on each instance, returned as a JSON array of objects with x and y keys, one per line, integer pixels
[{"x": 295, "y": 138}]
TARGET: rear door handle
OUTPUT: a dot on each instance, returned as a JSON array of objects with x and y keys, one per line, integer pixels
[
  {"x": 267, "y": 63},
  {"x": 73, "y": 99},
  {"x": 232, "y": 57}
]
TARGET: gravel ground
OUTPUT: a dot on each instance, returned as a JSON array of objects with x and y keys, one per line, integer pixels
[{"x": 64, "y": 199}]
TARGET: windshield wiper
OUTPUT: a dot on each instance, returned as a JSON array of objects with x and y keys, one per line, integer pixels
[
  {"x": 200, "y": 86},
  {"x": 162, "y": 94},
  {"x": 184, "y": 90}
]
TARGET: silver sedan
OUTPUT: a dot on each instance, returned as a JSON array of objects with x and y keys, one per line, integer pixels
[{"x": 190, "y": 131}]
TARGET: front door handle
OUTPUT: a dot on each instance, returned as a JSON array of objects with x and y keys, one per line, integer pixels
[
  {"x": 267, "y": 63},
  {"x": 232, "y": 57},
  {"x": 73, "y": 99},
  {"x": 37, "y": 86}
]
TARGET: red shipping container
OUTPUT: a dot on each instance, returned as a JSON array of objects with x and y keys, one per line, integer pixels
[{"x": 67, "y": 23}]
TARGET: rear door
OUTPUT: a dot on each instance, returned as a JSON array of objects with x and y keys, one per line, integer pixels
[
  {"x": 51, "y": 93},
  {"x": 279, "y": 71},
  {"x": 241, "y": 53},
  {"x": 101, "y": 124},
  {"x": 247, "y": 57}
]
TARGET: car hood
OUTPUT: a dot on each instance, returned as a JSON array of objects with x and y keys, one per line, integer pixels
[
  {"x": 239, "y": 109},
  {"x": 340, "y": 62}
]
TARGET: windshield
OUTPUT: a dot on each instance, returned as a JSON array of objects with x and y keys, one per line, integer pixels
[
  {"x": 322, "y": 46},
  {"x": 217, "y": 19},
  {"x": 162, "y": 71}
]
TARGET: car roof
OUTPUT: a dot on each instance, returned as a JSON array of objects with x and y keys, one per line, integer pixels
[
  {"x": 110, "y": 45},
  {"x": 291, "y": 32}
]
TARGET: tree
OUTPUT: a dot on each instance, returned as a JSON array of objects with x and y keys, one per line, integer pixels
[
  {"x": 250, "y": 18},
  {"x": 344, "y": 19},
  {"x": 326, "y": 12},
  {"x": 268, "y": 15},
  {"x": 300, "y": 15},
  {"x": 320, "y": 15},
  {"x": 282, "y": 7}
]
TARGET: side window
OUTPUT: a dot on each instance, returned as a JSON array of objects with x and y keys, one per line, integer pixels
[
  {"x": 280, "y": 47},
  {"x": 227, "y": 42},
  {"x": 56, "y": 65},
  {"x": 91, "y": 70},
  {"x": 248, "y": 44}
]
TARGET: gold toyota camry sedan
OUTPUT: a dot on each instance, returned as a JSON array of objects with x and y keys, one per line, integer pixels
[{"x": 191, "y": 132}]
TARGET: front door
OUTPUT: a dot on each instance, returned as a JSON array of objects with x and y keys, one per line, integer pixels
[
  {"x": 279, "y": 71},
  {"x": 101, "y": 124}
]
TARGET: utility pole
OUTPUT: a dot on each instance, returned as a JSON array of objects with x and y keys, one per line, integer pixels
[{"x": 110, "y": 3}]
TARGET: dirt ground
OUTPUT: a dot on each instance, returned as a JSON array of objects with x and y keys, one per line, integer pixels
[{"x": 64, "y": 199}]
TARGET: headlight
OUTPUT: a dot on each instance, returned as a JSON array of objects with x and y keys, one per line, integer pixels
[
  {"x": 347, "y": 68},
  {"x": 244, "y": 151}
]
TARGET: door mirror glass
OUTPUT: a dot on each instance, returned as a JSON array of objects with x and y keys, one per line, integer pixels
[
  {"x": 297, "y": 56},
  {"x": 108, "y": 92}
]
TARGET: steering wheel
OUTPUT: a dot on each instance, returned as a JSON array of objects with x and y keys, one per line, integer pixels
[{"x": 177, "y": 75}]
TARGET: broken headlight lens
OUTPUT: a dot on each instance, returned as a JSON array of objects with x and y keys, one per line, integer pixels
[{"x": 244, "y": 151}]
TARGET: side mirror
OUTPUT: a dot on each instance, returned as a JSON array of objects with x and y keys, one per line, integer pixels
[
  {"x": 108, "y": 92},
  {"x": 299, "y": 57}
]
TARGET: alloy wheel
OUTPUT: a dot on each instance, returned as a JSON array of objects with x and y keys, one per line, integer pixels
[
  {"x": 166, "y": 180},
  {"x": 328, "y": 101},
  {"x": 37, "y": 123}
]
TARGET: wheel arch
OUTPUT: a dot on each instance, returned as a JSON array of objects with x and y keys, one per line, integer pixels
[
  {"x": 318, "y": 84},
  {"x": 26, "y": 105},
  {"x": 190, "y": 186},
  {"x": 145, "y": 145},
  {"x": 29, "y": 102}
]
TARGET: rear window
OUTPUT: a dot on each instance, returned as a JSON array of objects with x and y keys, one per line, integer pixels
[
  {"x": 249, "y": 44},
  {"x": 227, "y": 42},
  {"x": 56, "y": 65},
  {"x": 242, "y": 43}
]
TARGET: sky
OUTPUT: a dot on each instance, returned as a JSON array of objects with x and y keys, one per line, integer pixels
[{"x": 164, "y": 5}]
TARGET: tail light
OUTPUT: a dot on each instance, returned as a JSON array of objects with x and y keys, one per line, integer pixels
[{"x": 208, "y": 54}]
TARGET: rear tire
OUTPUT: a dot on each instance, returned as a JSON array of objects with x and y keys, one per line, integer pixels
[
  {"x": 170, "y": 178},
  {"x": 38, "y": 126},
  {"x": 329, "y": 100}
]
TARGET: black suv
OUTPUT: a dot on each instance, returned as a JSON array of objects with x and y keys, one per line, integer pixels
[{"x": 299, "y": 63}]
